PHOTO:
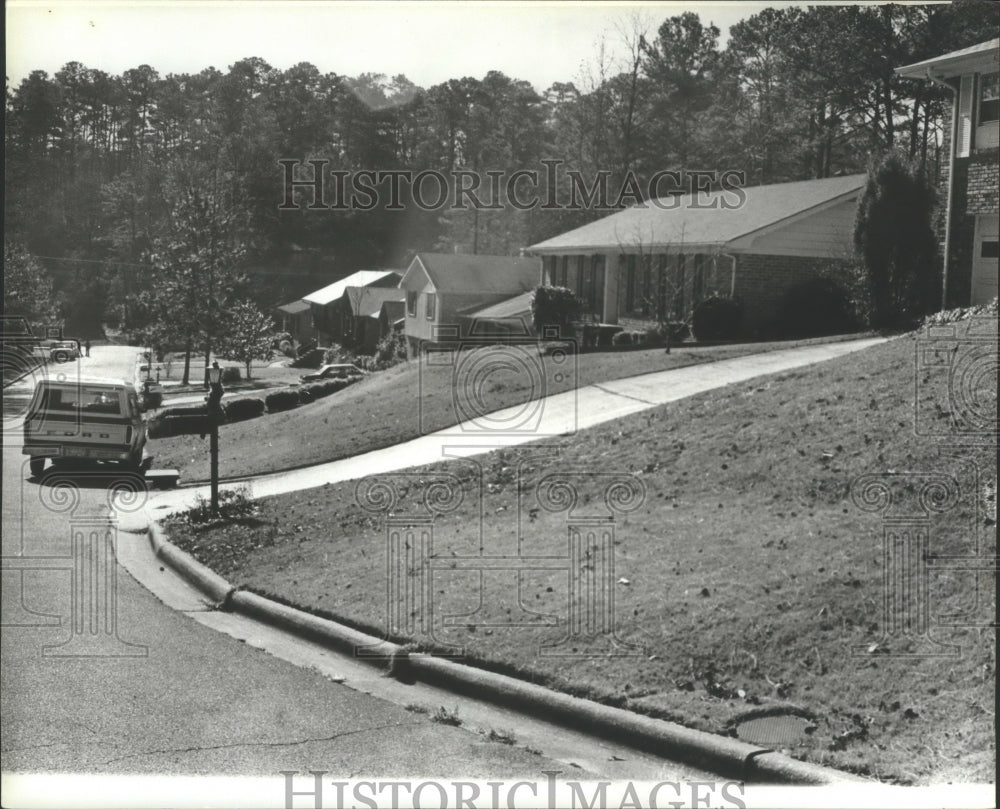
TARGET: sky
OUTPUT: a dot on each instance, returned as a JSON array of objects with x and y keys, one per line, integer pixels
[{"x": 429, "y": 42}]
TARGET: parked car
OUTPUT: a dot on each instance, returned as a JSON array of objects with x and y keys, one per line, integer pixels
[
  {"x": 339, "y": 370},
  {"x": 87, "y": 420},
  {"x": 64, "y": 351}
]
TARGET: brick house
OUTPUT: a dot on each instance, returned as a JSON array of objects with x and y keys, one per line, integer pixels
[
  {"x": 332, "y": 319},
  {"x": 752, "y": 244},
  {"x": 969, "y": 226},
  {"x": 442, "y": 289}
]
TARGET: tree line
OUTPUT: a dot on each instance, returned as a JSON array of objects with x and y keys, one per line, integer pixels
[{"x": 147, "y": 201}]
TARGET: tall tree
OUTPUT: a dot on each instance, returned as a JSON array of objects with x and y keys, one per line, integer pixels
[{"x": 894, "y": 236}]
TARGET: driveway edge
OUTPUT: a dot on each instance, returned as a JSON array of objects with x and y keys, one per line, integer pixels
[{"x": 726, "y": 756}]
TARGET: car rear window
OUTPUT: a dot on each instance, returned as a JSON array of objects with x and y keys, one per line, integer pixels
[{"x": 81, "y": 399}]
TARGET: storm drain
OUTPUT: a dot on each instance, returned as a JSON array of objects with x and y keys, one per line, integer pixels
[{"x": 775, "y": 730}]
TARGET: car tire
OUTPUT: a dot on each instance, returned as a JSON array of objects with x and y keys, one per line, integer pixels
[
  {"x": 60, "y": 356},
  {"x": 36, "y": 465}
]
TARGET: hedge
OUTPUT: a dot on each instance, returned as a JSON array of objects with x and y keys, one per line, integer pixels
[
  {"x": 281, "y": 400},
  {"x": 717, "y": 318},
  {"x": 305, "y": 394},
  {"x": 161, "y": 427},
  {"x": 243, "y": 409}
]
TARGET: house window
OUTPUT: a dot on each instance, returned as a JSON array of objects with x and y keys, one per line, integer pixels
[
  {"x": 630, "y": 274},
  {"x": 647, "y": 284},
  {"x": 679, "y": 288},
  {"x": 989, "y": 97},
  {"x": 431, "y": 305},
  {"x": 563, "y": 270},
  {"x": 411, "y": 304},
  {"x": 698, "y": 279},
  {"x": 988, "y": 111}
]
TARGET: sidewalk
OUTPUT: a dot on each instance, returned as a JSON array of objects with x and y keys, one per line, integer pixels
[{"x": 557, "y": 415}]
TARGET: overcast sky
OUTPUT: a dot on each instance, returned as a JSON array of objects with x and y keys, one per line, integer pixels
[{"x": 429, "y": 42}]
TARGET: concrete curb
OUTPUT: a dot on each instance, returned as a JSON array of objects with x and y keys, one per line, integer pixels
[
  {"x": 728, "y": 757},
  {"x": 205, "y": 579}
]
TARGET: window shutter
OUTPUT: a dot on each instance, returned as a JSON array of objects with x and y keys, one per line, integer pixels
[{"x": 964, "y": 134}]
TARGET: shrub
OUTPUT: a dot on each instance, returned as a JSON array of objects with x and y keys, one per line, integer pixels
[
  {"x": 191, "y": 410},
  {"x": 554, "y": 306},
  {"x": 281, "y": 400},
  {"x": 243, "y": 409},
  {"x": 234, "y": 504},
  {"x": 231, "y": 374},
  {"x": 390, "y": 350},
  {"x": 716, "y": 318},
  {"x": 814, "y": 307},
  {"x": 306, "y": 394},
  {"x": 168, "y": 427}
]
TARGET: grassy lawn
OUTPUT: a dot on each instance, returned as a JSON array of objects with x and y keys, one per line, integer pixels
[
  {"x": 402, "y": 403},
  {"x": 747, "y": 576}
]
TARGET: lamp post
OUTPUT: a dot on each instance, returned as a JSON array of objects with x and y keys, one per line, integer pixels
[{"x": 215, "y": 391}]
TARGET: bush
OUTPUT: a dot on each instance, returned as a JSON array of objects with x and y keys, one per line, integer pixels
[
  {"x": 554, "y": 306},
  {"x": 168, "y": 427},
  {"x": 306, "y": 394},
  {"x": 243, "y": 409},
  {"x": 814, "y": 307},
  {"x": 390, "y": 350},
  {"x": 231, "y": 374},
  {"x": 234, "y": 504},
  {"x": 191, "y": 410},
  {"x": 281, "y": 400},
  {"x": 716, "y": 318}
]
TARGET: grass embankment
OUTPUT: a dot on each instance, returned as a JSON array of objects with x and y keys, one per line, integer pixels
[
  {"x": 747, "y": 576},
  {"x": 405, "y": 402}
]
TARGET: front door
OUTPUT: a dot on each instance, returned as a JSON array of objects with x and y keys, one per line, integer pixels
[{"x": 985, "y": 257}]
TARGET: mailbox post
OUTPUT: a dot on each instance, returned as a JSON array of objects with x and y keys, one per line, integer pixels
[{"x": 215, "y": 391}]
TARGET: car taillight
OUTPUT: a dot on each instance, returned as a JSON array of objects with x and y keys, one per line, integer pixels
[{"x": 128, "y": 434}]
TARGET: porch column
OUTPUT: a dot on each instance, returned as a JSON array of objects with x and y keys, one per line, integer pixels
[{"x": 609, "y": 306}]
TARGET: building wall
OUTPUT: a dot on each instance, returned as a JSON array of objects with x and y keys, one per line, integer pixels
[
  {"x": 419, "y": 329},
  {"x": 977, "y": 179},
  {"x": 762, "y": 280},
  {"x": 821, "y": 235}
]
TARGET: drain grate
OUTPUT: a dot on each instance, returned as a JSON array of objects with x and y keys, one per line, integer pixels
[{"x": 775, "y": 730}]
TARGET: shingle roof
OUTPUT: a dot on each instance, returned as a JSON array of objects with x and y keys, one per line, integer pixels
[
  {"x": 979, "y": 57},
  {"x": 687, "y": 224},
  {"x": 515, "y": 307},
  {"x": 457, "y": 273},
  {"x": 294, "y": 307},
  {"x": 368, "y": 300},
  {"x": 330, "y": 293}
]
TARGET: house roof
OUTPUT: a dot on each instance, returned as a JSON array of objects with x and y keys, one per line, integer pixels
[
  {"x": 295, "y": 307},
  {"x": 687, "y": 222},
  {"x": 362, "y": 278},
  {"x": 981, "y": 58},
  {"x": 472, "y": 274},
  {"x": 512, "y": 308},
  {"x": 367, "y": 301},
  {"x": 394, "y": 309}
]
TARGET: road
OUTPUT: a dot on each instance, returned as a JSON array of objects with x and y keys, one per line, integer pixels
[{"x": 158, "y": 692}]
